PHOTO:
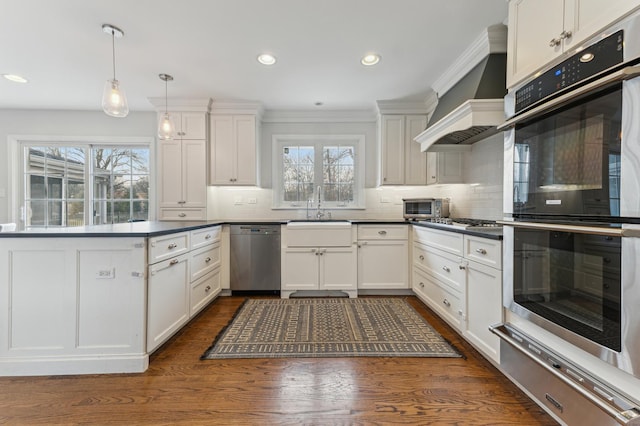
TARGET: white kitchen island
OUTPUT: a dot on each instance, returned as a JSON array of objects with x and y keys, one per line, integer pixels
[{"x": 100, "y": 299}]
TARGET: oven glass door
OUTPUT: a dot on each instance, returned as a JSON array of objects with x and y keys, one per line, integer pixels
[
  {"x": 572, "y": 280},
  {"x": 567, "y": 162}
]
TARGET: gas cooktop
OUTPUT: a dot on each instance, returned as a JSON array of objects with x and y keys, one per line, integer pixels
[{"x": 465, "y": 223}]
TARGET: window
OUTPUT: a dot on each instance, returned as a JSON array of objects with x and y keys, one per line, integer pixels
[
  {"x": 80, "y": 183},
  {"x": 306, "y": 164}
]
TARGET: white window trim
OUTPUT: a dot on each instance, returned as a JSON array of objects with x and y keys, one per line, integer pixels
[
  {"x": 278, "y": 143},
  {"x": 16, "y": 142}
]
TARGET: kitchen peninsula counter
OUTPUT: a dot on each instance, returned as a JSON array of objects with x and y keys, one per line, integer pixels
[{"x": 100, "y": 299}]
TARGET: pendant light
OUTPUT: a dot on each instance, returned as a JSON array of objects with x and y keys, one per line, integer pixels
[
  {"x": 166, "y": 126},
  {"x": 114, "y": 102}
]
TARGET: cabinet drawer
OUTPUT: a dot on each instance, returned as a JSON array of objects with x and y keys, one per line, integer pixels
[
  {"x": 441, "y": 265},
  {"x": 204, "y": 260},
  {"x": 166, "y": 246},
  {"x": 204, "y": 290},
  {"x": 482, "y": 250},
  {"x": 204, "y": 237},
  {"x": 445, "y": 302},
  {"x": 383, "y": 232},
  {"x": 444, "y": 240},
  {"x": 182, "y": 214}
]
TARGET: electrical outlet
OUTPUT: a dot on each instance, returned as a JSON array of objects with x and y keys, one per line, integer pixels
[
  {"x": 252, "y": 200},
  {"x": 106, "y": 274},
  {"x": 237, "y": 199}
]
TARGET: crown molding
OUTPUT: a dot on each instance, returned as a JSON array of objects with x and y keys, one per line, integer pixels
[
  {"x": 182, "y": 104},
  {"x": 492, "y": 40},
  {"x": 315, "y": 116},
  {"x": 232, "y": 106}
]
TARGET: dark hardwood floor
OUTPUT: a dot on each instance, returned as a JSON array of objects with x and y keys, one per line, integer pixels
[{"x": 179, "y": 388}]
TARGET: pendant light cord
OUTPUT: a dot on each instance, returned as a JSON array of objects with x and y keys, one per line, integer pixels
[
  {"x": 166, "y": 97},
  {"x": 113, "y": 51}
]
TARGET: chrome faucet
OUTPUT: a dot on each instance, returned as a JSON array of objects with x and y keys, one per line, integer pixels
[{"x": 319, "y": 213}]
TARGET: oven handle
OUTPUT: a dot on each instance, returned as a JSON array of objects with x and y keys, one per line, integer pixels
[
  {"x": 627, "y": 232},
  {"x": 620, "y": 75},
  {"x": 616, "y": 414}
]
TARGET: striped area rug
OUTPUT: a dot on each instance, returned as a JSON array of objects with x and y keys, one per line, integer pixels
[{"x": 328, "y": 327}]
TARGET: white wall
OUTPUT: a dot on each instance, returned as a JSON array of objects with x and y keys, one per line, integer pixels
[{"x": 65, "y": 123}]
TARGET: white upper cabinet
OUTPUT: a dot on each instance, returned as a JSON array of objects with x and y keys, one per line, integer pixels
[
  {"x": 402, "y": 161},
  {"x": 447, "y": 166},
  {"x": 233, "y": 149},
  {"x": 542, "y": 30},
  {"x": 182, "y": 174},
  {"x": 190, "y": 125}
]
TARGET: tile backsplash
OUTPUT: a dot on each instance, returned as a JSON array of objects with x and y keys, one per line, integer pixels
[{"x": 480, "y": 197}]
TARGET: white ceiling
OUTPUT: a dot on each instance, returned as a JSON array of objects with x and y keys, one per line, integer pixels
[{"x": 210, "y": 48}]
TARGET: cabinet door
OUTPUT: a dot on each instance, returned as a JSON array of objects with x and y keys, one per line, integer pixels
[
  {"x": 383, "y": 264},
  {"x": 415, "y": 161},
  {"x": 194, "y": 173},
  {"x": 393, "y": 135},
  {"x": 338, "y": 269},
  {"x": 585, "y": 18},
  {"x": 223, "y": 153},
  {"x": 193, "y": 125},
  {"x": 170, "y": 174},
  {"x": 245, "y": 136},
  {"x": 432, "y": 168},
  {"x": 449, "y": 167},
  {"x": 167, "y": 299},
  {"x": 532, "y": 25},
  {"x": 300, "y": 269},
  {"x": 484, "y": 307}
]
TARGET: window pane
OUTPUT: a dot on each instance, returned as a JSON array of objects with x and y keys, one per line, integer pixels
[
  {"x": 75, "y": 213},
  {"x": 36, "y": 213},
  {"x": 101, "y": 160},
  {"x": 101, "y": 212},
  {"x": 75, "y": 189},
  {"x": 54, "y": 214},
  {"x": 121, "y": 187},
  {"x": 102, "y": 187},
  {"x": 35, "y": 187},
  {"x": 121, "y": 211},
  {"x": 298, "y": 173},
  {"x": 121, "y": 161},
  {"x": 140, "y": 210},
  {"x": 140, "y": 187}
]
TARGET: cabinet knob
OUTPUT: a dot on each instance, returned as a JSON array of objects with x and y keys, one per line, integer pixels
[
  {"x": 481, "y": 251},
  {"x": 382, "y": 232},
  {"x": 461, "y": 266},
  {"x": 565, "y": 34},
  {"x": 207, "y": 260},
  {"x": 172, "y": 246},
  {"x": 446, "y": 303},
  {"x": 207, "y": 288},
  {"x": 446, "y": 269},
  {"x": 422, "y": 285},
  {"x": 421, "y": 257},
  {"x": 207, "y": 237},
  {"x": 174, "y": 262},
  {"x": 554, "y": 42},
  {"x": 182, "y": 215}
]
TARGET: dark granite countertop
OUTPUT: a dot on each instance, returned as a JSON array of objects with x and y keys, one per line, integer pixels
[
  {"x": 491, "y": 233},
  {"x": 135, "y": 229}
]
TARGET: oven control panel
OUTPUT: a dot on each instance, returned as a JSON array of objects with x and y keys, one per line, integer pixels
[{"x": 588, "y": 62}]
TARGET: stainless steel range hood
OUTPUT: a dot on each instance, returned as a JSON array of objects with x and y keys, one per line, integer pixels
[{"x": 472, "y": 108}]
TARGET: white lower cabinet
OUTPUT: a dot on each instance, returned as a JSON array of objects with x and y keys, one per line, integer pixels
[
  {"x": 167, "y": 299},
  {"x": 181, "y": 286},
  {"x": 460, "y": 278},
  {"x": 383, "y": 257},
  {"x": 307, "y": 266}
]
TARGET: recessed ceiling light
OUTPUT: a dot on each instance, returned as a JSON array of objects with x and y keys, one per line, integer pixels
[
  {"x": 319, "y": 103},
  {"x": 266, "y": 59},
  {"x": 370, "y": 59},
  {"x": 15, "y": 78}
]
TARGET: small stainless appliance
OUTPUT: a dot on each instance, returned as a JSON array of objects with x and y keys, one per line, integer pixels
[{"x": 425, "y": 208}]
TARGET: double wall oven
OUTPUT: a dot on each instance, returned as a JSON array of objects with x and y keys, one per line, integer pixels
[{"x": 572, "y": 226}]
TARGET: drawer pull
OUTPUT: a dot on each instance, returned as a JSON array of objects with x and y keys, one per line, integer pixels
[
  {"x": 421, "y": 257},
  {"x": 182, "y": 215},
  {"x": 208, "y": 259},
  {"x": 174, "y": 262},
  {"x": 446, "y": 303},
  {"x": 446, "y": 269},
  {"x": 206, "y": 290},
  {"x": 172, "y": 246},
  {"x": 461, "y": 266},
  {"x": 382, "y": 232},
  {"x": 207, "y": 237},
  {"x": 182, "y": 202},
  {"x": 481, "y": 251}
]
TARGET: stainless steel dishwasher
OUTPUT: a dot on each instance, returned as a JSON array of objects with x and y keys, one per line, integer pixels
[{"x": 255, "y": 259}]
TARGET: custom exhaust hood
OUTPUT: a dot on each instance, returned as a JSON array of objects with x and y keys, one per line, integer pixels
[{"x": 472, "y": 108}]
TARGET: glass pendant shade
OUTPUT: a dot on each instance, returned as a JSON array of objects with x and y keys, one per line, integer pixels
[
  {"x": 114, "y": 101},
  {"x": 166, "y": 127}
]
